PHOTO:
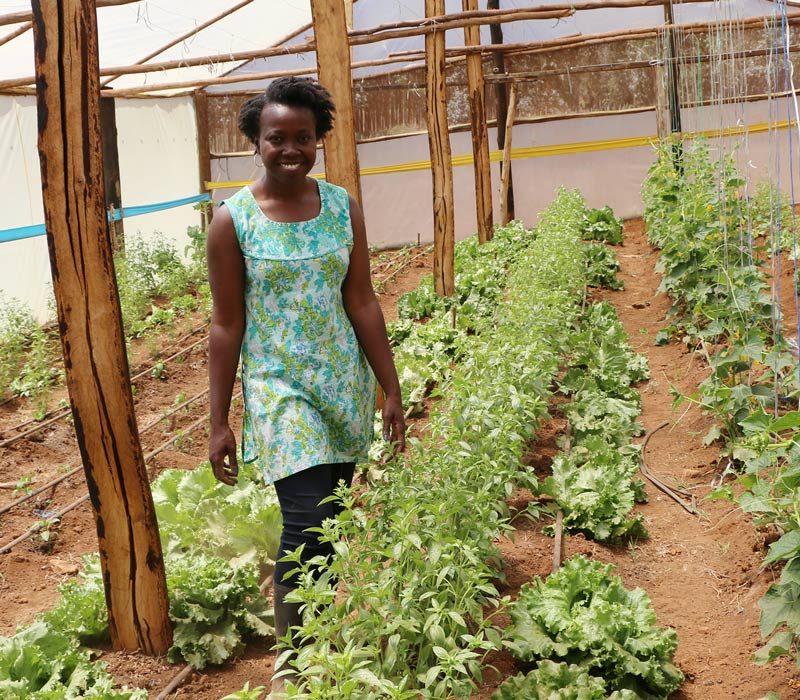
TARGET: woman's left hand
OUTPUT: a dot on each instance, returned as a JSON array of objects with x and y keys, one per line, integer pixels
[{"x": 394, "y": 423}]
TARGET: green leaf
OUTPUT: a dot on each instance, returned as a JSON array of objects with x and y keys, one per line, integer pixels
[{"x": 786, "y": 547}]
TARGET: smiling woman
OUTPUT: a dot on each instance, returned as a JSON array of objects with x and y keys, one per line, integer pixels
[{"x": 289, "y": 273}]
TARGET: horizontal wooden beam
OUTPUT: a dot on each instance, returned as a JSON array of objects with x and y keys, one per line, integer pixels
[
  {"x": 370, "y": 36},
  {"x": 27, "y": 15},
  {"x": 442, "y": 23}
]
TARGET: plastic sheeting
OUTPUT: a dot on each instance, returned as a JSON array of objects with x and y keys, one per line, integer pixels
[
  {"x": 24, "y": 265},
  {"x": 157, "y": 141},
  {"x": 127, "y": 33},
  {"x": 372, "y": 13},
  {"x": 398, "y": 206}
]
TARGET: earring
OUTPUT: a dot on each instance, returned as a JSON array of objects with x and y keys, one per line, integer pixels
[{"x": 259, "y": 163}]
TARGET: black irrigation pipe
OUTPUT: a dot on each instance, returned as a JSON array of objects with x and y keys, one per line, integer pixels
[
  {"x": 78, "y": 502},
  {"x": 65, "y": 412},
  {"x": 55, "y": 482},
  {"x": 177, "y": 680}
]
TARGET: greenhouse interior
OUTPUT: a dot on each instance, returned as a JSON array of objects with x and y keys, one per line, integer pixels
[{"x": 489, "y": 390}]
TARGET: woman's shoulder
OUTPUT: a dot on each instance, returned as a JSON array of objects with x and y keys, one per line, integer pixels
[{"x": 337, "y": 197}]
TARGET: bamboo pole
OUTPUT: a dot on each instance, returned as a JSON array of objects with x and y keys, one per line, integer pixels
[
  {"x": 183, "y": 37},
  {"x": 333, "y": 61},
  {"x": 441, "y": 165},
  {"x": 480, "y": 132},
  {"x": 19, "y": 31},
  {"x": 502, "y": 98},
  {"x": 87, "y": 301},
  {"x": 27, "y": 15},
  {"x": 506, "y": 203}
]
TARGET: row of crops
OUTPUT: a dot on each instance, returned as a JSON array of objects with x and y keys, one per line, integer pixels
[
  {"x": 416, "y": 553},
  {"x": 723, "y": 274},
  {"x": 158, "y": 287}
]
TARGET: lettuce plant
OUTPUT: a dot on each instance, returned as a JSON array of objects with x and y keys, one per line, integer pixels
[{"x": 584, "y": 615}]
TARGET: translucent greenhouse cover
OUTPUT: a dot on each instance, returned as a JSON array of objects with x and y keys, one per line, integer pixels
[
  {"x": 129, "y": 32},
  {"x": 371, "y": 13}
]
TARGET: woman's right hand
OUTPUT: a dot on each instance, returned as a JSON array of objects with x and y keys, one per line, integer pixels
[{"x": 222, "y": 454}]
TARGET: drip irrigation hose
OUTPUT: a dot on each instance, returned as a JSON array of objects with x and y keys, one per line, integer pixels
[
  {"x": 672, "y": 493},
  {"x": 65, "y": 412},
  {"x": 76, "y": 503},
  {"x": 55, "y": 482},
  {"x": 178, "y": 680},
  {"x": 62, "y": 411}
]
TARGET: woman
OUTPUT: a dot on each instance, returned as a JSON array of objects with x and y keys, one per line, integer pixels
[{"x": 289, "y": 272}]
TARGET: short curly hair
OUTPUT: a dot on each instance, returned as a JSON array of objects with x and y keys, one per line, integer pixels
[{"x": 292, "y": 92}]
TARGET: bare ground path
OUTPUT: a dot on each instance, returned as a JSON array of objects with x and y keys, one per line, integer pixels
[{"x": 703, "y": 574}]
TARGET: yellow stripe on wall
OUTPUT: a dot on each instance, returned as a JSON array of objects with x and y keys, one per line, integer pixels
[{"x": 541, "y": 151}]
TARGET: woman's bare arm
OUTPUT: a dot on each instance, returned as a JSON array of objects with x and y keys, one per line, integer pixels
[
  {"x": 226, "y": 278},
  {"x": 366, "y": 316}
]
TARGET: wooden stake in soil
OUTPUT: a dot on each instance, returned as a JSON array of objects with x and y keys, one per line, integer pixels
[
  {"x": 480, "y": 131},
  {"x": 333, "y": 61},
  {"x": 65, "y": 39},
  {"x": 203, "y": 148},
  {"x": 441, "y": 164},
  {"x": 506, "y": 194}
]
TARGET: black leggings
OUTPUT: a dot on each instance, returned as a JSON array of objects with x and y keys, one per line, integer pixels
[{"x": 300, "y": 495}]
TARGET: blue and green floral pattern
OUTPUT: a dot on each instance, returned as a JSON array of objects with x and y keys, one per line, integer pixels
[{"x": 309, "y": 393}]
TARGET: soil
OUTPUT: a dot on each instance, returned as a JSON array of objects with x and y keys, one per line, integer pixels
[{"x": 703, "y": 574}]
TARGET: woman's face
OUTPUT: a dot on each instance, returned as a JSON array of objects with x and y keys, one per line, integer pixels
[{"x": 287, "y": 141}]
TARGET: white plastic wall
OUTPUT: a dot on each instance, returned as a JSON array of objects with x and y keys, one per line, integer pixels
[
  {"x": 157, "y": 142},
  {"x": 24, "y": 265},
  {"x": 398, "y": 206}
]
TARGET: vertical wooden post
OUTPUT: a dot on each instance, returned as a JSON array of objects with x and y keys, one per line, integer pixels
[
  {"x": 333, "y": 67},
  {"x": 441, "y": 162},
  {"x": 480, "y": 131},
  {"x": 673, "y": 76},
  {"x": 203, "y": 145},
  {"x": 111, "y": 178},
  {"x": 506, "y": 211},
  {"x": 90, "y": 323},
  {"x": 501, "y": 95}
]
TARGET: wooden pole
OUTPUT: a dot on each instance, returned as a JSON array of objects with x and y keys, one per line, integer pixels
[
  {"x": 19, "y": 31},
  {"x": 111, "y": 175},
  {"x": 203, "y": 146},
  {"x": 501, "y": 96},
  {"x": 480, "y": 131},
  {"x": 90, "y": 324},
  {"x": 506, "y": 203},
  {"x": 183, "y": 37},
  {"x": 333, "y": 61},
  {"x": 441, "y": 165}
]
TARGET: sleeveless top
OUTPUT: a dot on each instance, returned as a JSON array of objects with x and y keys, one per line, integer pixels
[{"x": 309, "y": 393}]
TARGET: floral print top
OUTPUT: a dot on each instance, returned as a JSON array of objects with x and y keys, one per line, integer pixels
[{"x": 309, "y": 393}]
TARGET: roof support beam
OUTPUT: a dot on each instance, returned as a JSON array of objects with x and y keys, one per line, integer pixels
[
  {"x": 183, "y": 37},
  {"x": 19, "y": 31},
  {"x": 26, "y": 16}
]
